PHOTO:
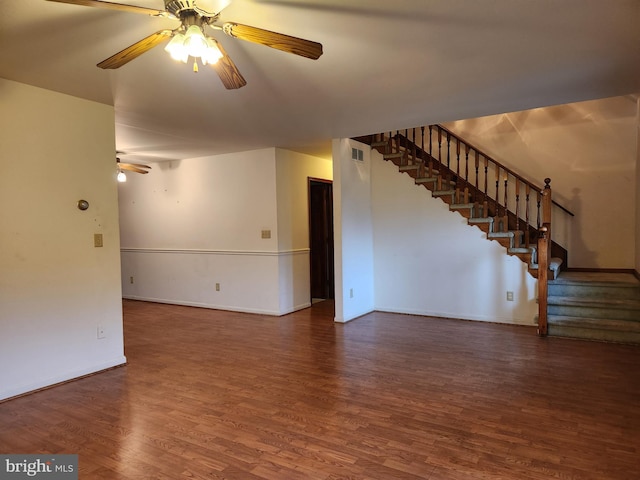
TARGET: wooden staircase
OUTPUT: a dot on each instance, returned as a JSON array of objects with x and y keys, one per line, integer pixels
[
  {"x": 512, "y": 230},
  {"x": 517, "y": 214}
]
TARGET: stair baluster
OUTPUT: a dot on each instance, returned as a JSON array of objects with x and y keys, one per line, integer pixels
[
  {"x": 448, "y": 160},
  {"x": 414, "y": 152},
  {"x": 466, "y": 163},
  {"x": 421, "y": 174},
  {"x": 430, "y": 152},
  {"x": 497, "y": 199},
  {"x": 517, "y": 205},
  {"x": 505, "y": 206},
  {"x": 527, "y": 233}
]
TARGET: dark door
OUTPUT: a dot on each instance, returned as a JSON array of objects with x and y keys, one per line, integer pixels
[{"x": 321, "y": 238}]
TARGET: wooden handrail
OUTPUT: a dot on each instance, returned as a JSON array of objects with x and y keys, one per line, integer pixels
[{"x": 502, "y": 167}]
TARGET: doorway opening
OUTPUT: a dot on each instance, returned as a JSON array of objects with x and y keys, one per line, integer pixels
[{"x": 321, "y": 239}]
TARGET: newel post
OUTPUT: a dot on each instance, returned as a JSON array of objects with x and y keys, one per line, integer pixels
[{"x": 544, "y": 256}]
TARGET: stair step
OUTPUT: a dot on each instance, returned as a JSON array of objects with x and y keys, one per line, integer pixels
[
  {"x": 441, "y": 193},
  {"x": 423, "y": 180},
  {"x": 484, "y": 224},
  {"x": 506, "y": 239},
  {"x": 588, "y": 307},
  {"x": 522, "y": 250},
  {"x": 479, "y": 220},
  {"x": 595, "y": 323},
  {"x": 391, "y": 156},
  {"x": 383, "y": 143},
  {"x": 570, "y": 286},
  {"x": 464, "y": 209},
  {"x": 509, "y": 234},
  {"x": 527, "y": 255},
  {"x": 603, "y": 329},
  {"x": 446, "y": 196},
  {"x": 554, "y": 267},
  {"x": 407, "y": 168}
]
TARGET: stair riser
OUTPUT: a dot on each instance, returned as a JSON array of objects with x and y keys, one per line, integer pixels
[
  {"x": 592, "y": 312},
  {"x": 485, "y": 227},
  {"x": 506, "y": 242},
  {"x": 525, "y": 257},
  {"x": 591, "y": 334},
  {"x": 446, "y": 198},
  {"x": 465, "y": 212},
  {"x": 594, "y": 291}
]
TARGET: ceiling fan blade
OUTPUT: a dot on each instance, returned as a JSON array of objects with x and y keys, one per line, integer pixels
[
  {"x": 132, "y": 168},
  {"x": 228, "y": 72},
  {"x": 286, "y": 43},
  {"x": 116, "y": 6},
  {"x": 137, "y": 165},
  {"x": 135, "y": 50}
]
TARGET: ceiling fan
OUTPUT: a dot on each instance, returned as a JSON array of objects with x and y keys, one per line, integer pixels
[
  {"x": 131, "y": 167},
  {"x": 190, "y": 39}
]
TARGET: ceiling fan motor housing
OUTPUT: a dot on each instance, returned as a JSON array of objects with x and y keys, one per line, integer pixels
[{"x": 176, "y": 6}]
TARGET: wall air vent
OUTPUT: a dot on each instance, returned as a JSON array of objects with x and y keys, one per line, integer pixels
[{"x": 357, "y": 154}]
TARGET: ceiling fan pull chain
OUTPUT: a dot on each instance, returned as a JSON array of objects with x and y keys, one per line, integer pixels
[{"x": 195, "y": 65}]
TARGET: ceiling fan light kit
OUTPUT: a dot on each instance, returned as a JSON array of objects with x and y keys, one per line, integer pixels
[
  {"x": 191, "y": 40},
  {"x": 194, "y": 43}
]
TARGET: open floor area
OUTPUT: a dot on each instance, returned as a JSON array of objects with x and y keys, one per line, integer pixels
[{"x": 223, "y": 395}]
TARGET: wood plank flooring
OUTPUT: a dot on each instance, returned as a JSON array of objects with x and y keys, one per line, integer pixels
[{"x": 210, "y": 395}]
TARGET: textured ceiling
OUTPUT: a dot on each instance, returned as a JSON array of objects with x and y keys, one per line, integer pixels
[{"x": 386, "y": 65}]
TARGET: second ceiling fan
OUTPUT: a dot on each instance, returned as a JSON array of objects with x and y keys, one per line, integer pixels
[{"x": 190, "y": 38}]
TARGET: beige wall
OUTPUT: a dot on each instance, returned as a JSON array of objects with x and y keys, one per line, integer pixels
[
  {"x": 189, "y": 225},
  {"x": 56, "y": 288},
  {"x": 589, "y": 150}
]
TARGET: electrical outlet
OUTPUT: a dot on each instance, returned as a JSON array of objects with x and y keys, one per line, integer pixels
[
  {"x": 217, "y": 287},
  {"x": 351, "y": 293},
  {"x": 130, "y": 279},
  {"x": 101, "y": 333},
  {"x": 509, "y": 296}
]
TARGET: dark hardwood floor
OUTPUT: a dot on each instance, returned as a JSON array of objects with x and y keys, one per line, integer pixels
[{"x": 210, "y": 394}]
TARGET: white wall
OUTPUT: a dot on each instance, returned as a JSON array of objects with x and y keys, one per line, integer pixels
[
  {"x": 589, "y": 150},
  {"x": 55, "y": 286},
  {"x": 353, "y": 232},
  {"x": 429, "y": 261},
  {"x": 190, "y": 224}
]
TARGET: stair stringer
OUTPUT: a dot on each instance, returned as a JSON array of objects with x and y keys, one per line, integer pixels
[{"x": 429, "y": 261}]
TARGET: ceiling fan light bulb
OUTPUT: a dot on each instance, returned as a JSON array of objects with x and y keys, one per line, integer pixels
[
  {"x": 121, "y": 177},
  {"x": 213, "y": 53},
  {"x": 195, "y": 42},
  {"x": 176, "y": 48}
]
